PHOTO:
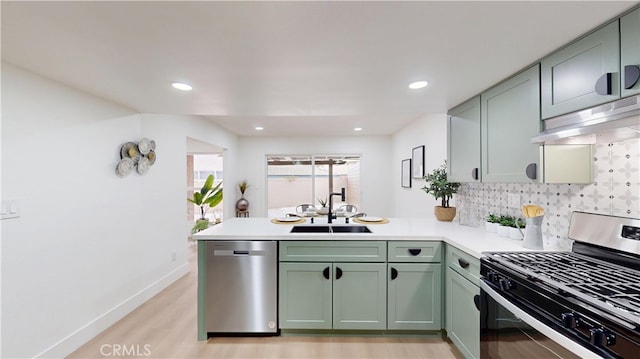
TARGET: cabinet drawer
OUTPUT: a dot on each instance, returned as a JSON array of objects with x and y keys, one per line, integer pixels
[
  {"x": 333, "y": 251},
  {"x": 464, "y": 264},
  {"x": 411, "y": 252}
]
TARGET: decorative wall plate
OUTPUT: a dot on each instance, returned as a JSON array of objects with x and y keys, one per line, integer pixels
[
  {"x": 144, "y": 145},
  {"x": 151, "y": 156},
  {"x": 124, "y": 166},
  {"x": 143, "y": 165},
  {"x": 124, "y": 150}
]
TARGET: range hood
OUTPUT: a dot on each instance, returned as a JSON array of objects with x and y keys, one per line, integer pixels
[{"x": 616, "y": 121}]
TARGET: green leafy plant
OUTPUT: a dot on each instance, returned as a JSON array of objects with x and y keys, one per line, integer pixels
[
  {"x": 323, "y": 202},
  {"x": 507, "y": 221},
  {"x": 492, "y": 218},
  {"x": 207, "y": 196},
  {"x": 200, "y": 225},
  {"x": 521, "y": 223},
  {"x": 243, "y": 186},
  {"x": 438, "y": 185}
]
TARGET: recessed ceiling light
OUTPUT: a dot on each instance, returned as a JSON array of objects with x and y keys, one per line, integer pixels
[
  {"x": 418, "y": 85},
  {"x": 181, "y": 86},
  {"x": 357, "y": 129},
  {"x": 259, "y": 128}
]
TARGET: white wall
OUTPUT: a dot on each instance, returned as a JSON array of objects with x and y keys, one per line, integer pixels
[
  {"x": 89, "y": 246},
  {"x": 430, "y": 131},
  {"x": 376, "y": 172}
]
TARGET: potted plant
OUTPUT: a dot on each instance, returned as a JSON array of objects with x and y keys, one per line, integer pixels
[
  {"x": 438, "y": 185},
  {"x": 208, "y": 196},
  {"x": 323, "y": 206},
  {"x": 242, "y": 204},
  {"x": 504, "y": 223},
  {"x": 491, "y": 225}
]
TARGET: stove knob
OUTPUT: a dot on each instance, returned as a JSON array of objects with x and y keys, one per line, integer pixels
[
  {"x": 569, "y": 320},
  {"x": 505, "y": 284},
  {"x": 601, "y": 337},
  {"x": 492, "y": 277}
]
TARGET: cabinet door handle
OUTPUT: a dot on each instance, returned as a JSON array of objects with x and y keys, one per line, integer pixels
[
  {"x": 463, "y": 263},
  {"x": 603, "y": 85},
  {"x": 476, "y": 301},
  {"x": 325, "y": 273},
  {"x": 338, "y": 273},
  {"x": 394, "y": 273},
  {"x": 415, "y": 251},
  {"x": 474, "y": 173},
  {"x": 531, "y": 171},
  {"x": 631, "y": 75}
]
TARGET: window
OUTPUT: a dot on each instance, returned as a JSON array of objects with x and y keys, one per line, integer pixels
[{"x": 306, "y": 179}]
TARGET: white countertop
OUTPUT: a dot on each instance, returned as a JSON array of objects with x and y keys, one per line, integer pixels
[{"x": 473, "y": 240}]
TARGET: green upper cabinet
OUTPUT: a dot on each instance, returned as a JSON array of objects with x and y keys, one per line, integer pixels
[
  {"x": 510, "y": 116},
  {"x": 463, "y": 142},
  {"x": 630, "y": 53},
  {"x": 569, "y": 75}
]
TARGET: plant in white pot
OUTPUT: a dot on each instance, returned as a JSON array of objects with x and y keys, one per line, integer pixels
[
  {"x": 208, "y": 196},
  {"x": 439, "y": 186},
  {"x": 491, "y": 225},
  {"x": 323, "y": 206}
]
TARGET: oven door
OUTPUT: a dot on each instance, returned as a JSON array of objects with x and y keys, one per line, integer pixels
[{"x": 506, "y": 331}]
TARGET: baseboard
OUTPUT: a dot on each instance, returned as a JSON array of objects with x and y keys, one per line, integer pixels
[{"x": 81, "y": 336}]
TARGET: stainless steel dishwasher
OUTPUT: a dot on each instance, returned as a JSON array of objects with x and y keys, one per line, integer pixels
[{"x": 241, "y": 287}]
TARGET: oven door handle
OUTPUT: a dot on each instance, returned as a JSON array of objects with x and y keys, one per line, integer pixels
[{"x": 536, "y": 324}]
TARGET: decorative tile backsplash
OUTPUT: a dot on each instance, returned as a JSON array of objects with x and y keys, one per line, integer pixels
[{"x": 616, "y": 191}]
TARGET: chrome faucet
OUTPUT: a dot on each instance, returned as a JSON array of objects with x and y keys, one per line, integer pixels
[{"x": 330, "y": 215}]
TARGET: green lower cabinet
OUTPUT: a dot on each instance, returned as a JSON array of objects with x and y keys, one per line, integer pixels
[
  {"x": 332, "y": 295},
  {"x": 463, "y": 318},
  {"x": 360, "y": 296},
  {"x": 305, "y": 296},
  {"x": 414, "y": 298}
]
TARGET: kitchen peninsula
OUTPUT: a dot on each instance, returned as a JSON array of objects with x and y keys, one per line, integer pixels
[
  {"x": 409, "y": 269},
  {"x": 472, "y": 240}
]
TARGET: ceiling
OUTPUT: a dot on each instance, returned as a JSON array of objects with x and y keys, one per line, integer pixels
[{"x": 296, "y": 68}]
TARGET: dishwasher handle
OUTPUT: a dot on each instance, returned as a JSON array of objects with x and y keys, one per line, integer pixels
[{"x": 237, "y": 253}]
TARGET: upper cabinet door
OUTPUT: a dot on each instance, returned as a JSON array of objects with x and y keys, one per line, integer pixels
[
  {"x": 463, "y": 142},
  {"x": 630, "y": 53},
  {"x": 510, "y": 117},
  {"x": 571, "y": 75}
]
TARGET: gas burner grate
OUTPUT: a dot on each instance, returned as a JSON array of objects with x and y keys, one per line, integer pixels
[{"x": 606, "y": 285}]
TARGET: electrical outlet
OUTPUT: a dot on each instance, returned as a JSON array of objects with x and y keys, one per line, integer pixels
[
  {"x": 173, "y": 256},
  {"x": 513, "y": 200}
]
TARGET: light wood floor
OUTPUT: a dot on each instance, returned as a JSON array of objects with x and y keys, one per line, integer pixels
[{"x": 165, "y": 327}]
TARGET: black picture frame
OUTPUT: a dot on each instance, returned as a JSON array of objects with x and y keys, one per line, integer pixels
[
  {"x": 405, "y": 179},
  {"x": 417, "y": 162}
]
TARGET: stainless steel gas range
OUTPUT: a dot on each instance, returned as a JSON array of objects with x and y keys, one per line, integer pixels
[{"x": 582, "y": 303}]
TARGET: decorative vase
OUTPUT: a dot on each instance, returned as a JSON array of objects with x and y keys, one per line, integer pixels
[
  {"x": 242, "y": 204},
  {"x": 444, "y": 214},
  {"x": 323, "y": 210}
]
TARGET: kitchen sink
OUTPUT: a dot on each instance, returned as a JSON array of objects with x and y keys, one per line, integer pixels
[
  {"x": 350, "y": 229},
  {"x": 311, "y": 229},
  {"x": 330, "y": 229}
]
